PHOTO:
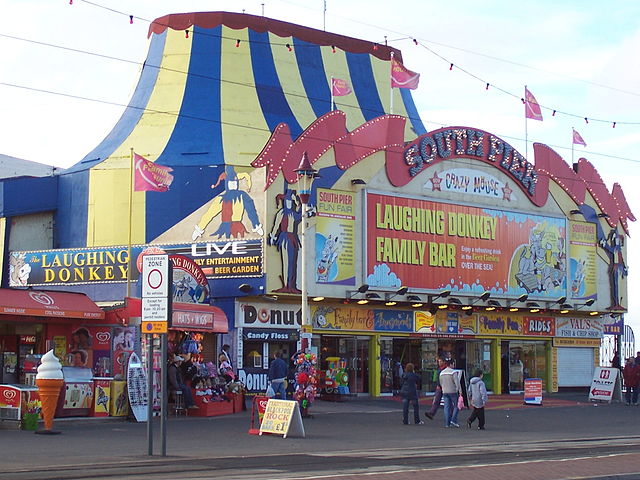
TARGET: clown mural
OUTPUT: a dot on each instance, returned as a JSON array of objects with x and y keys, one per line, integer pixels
[
  {"x": 284, "y": 236},
  {"x": 231, "y": 204},
  {"x": 617, "y": 267}
]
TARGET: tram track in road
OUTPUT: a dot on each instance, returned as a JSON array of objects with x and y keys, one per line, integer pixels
[{"x": 353, "y": 462}]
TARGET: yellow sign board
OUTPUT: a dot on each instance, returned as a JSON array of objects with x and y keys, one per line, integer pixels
[
  {"x": 576, "y": 342},
  {"x": 306, "y": 328},
  {"x": 154, "y": 327},
  {"x": 282, "y": 417}
]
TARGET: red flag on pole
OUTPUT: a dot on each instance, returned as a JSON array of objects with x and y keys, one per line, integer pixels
[
  {"x": 577, "y": 139},
  {"x": 150, "y": 177},
  {"x": 339, "y": 88},
  {"x": 401, "y": 77},
  {"x": 531, "y": 107}
]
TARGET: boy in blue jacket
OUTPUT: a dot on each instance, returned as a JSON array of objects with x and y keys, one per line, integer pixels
[{"x": 478, "y": 398}]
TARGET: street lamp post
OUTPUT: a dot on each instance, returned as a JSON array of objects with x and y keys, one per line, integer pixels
[{"x": 306, "y": 175}]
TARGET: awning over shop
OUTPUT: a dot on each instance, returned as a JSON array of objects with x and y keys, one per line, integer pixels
[
  {"x": 187, "y": 316},
  {"x": 38, "y": 303}
]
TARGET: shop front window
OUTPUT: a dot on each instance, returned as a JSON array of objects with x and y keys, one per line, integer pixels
[
  {"x": 526, "y": 360},
  {"x": 386, "y": 366},
  {"x": 353, "y": 354},
  {"x": 252, "y": 354},
  {"x": 429, "y": 365}
]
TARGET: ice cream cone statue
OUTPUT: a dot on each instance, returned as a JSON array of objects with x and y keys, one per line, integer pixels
[{"x": 49, "y": 381}]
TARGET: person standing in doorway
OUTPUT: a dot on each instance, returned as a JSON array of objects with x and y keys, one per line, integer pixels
[
  {"x": 225, "y": 351},
  {"x": 409, "y": 390},
  {"x": 277, "y": 375},
  {"x": 450, "y": 382},
  {"x": 437, "y": 397},
  {"x": 478, "y": 398},
  {"x": 631, "y": 375}
]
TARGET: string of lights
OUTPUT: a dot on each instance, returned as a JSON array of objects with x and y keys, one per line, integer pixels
[
  {"x": 414, "y": 40},
  {"x": 422, "y": 43},
  {"x": 249, "y": 127}
]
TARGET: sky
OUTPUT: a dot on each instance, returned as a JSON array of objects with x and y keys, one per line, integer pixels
[{"x": 577, "y": 57}]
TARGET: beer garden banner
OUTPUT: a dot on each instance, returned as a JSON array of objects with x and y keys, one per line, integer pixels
[{"x": 232, "y": 259}]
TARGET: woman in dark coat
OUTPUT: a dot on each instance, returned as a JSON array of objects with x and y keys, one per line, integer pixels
[{"x": 409, "y": 392}]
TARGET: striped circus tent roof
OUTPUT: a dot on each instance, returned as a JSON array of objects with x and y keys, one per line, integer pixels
[{"x": 212, "y": 90}]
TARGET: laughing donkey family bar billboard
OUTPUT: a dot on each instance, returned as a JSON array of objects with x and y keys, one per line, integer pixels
[{"x": 469, "y": 247}]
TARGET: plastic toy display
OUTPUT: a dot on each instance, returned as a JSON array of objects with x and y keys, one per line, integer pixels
[{"x": 306, "y": 380}]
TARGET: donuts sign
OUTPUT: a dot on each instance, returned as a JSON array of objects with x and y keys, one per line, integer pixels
[{"x": 266, "y": 316}]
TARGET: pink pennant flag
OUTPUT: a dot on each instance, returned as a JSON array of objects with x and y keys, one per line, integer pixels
[
  {"x": 401, "y": 77},
  {"x": 577, "y": 139},
  {"x": 531, "y": 106},
  {"x": 150, "y": 177},
  {"x": 339, "y": 88}
]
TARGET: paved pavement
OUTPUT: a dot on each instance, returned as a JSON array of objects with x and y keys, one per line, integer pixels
[{"x": 340, "y": 434}]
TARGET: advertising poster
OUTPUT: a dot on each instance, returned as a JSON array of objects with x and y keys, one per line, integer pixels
[
  {"x": 431, "y": 245},
  {"x": 102, "y": 398},
  {"x": 533, "y": 391},
  {"x": 425, "y": 322},
  {"x": 60, "y": 346},
  {"x": 231, "y": 259},
  {"x": 605, "y": 385},
  {"x": 334, "y": 237},
  {"x": 392, "y": 321},
  {"x": 123, "y": 344},
  {"x": 80, "y": 348},
  {"x": 499, "y": 324},
  {"x": 343, "y": 319},
  {"x": 579, "y": 327},
  {"x": 101, "y": 350},
  {"x": 540, "y": 326},
  {"x": 582, "y": 261}
]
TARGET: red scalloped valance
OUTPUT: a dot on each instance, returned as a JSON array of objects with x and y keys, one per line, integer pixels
[{"x": 237, "y": 21}]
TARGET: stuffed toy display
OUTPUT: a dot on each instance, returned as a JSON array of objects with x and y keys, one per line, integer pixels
[{"x": 305, "y": 391}]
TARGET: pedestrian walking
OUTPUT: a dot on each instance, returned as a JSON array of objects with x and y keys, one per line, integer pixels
[
  {"x": 450, "y": 382},
  {"x": 437, "y": 397},
  {"x": 631, "y": 374},
  {"x": 478, "y": 399},
  {"x": 278, "y": 371},
  {"x": 410, "y": 385}
]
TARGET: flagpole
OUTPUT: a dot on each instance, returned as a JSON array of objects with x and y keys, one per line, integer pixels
[
  {"x": 391, "y": 86},
  {"x": 333, "y": 105},
  {"x": 526, "y": 136},
  {"x": 573, "y": 144},
  {"x": 131, "y": 172}
]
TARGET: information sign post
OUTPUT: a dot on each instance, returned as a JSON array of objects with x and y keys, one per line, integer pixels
[{"x": 156, "y": 316}]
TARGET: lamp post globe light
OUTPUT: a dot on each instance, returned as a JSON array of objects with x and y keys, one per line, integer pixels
[{"x": 306, "y": 175}]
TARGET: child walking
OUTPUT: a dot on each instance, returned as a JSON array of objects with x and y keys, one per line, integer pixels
[{"x": 478, "y": 398}]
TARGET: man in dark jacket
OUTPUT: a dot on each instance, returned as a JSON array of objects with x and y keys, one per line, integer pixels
[
  {"x": 277, "y": 375},
  {"x": 409, "y": 392},
  {"x": 176, "y": 383}
]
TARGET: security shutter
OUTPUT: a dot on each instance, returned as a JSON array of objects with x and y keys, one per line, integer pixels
[{"x": 575, "y": 367}]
